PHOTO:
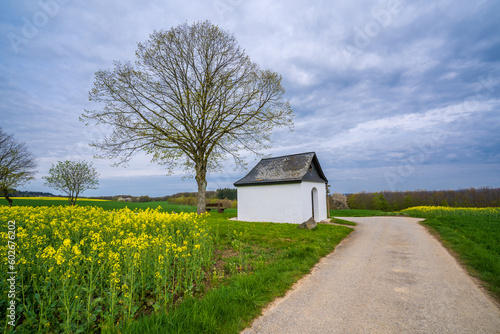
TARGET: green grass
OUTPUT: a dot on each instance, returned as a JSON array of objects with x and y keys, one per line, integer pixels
[
  {"x": 273, "y": 257},
  {"x": 360, "y": 213},
  {"x": 342, "y": 221},
  {"x": 254, "y": 263},
  {"x": 473, "y": 234}
]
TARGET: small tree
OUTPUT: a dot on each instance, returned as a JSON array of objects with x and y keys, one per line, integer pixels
[
  {"x": 339, "y": 201},
  {"x": 145, "y": 198},
  {"x": 72, "y": 178},
  {"x": 17, "y": 165},
  {"x": 379, "y": 202}
]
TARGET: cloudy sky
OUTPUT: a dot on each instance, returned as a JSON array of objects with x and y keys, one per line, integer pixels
[{"x": 390, "y": 94}]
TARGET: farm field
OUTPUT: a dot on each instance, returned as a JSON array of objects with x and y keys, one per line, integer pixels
[
  {"x": 86, "y": 269},
  {"x": 359, "y": 213},
  {"x": 473, "y": 233},
  {"x": 105, "y": 204}
]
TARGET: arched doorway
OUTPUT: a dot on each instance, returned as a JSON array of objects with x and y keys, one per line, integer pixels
[{"x": 314, "y": 203}]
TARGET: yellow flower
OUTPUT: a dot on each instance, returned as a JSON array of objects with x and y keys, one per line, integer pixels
[
  {"x": 59, "y": 258},
  {"x": 76, "y": 250}
]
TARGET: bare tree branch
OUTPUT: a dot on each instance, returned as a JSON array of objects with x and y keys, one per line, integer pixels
[
  {"x": 192, "y": 97},
  {"x": 17, "y": 164}
]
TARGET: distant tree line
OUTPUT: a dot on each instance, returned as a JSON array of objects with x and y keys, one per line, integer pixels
[
  {"x": 130, "y": 198},
  {"x": 399, "y": 200},
  {"x": 211, "y": 197},
  {"x": 186, "y": 198},
  {"x": 227, "y": 193},
  {"x": 209, "y": 194},
  {"x": 226, "y": 196},
  {"x": 20, "y": 193}
]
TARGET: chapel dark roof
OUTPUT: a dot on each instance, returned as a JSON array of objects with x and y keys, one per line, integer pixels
[{"x": 286, "y": 169}]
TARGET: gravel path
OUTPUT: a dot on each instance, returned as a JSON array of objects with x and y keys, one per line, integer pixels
[{"x": 389, "y": 276}]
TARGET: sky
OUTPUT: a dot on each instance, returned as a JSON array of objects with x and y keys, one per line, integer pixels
[{"x": 391, "y": 95}]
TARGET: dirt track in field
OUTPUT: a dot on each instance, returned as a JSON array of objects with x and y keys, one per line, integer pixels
[{"x": 389, "y": 276}]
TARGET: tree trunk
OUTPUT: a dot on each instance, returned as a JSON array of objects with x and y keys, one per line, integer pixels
[
  {"x": 9, "y": 200},
  {"x": 202, "y": 198},
  {"x": 202, "y": 188},
  {"x": 75, "y": 197}
]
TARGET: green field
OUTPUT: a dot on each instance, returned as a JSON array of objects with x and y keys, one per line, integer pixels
[
  {"x": 250, "y": 265},
  {"x": 360, "y": 213}
]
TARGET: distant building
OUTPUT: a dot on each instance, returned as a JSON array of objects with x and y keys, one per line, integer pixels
[{"x": 287, "y": 189}]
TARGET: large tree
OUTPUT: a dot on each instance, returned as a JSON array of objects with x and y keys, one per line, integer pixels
[
  {"x": 72, "y": 178},
  {"x": 17, "y": 164},
  {"x": 192, "y": 97}
]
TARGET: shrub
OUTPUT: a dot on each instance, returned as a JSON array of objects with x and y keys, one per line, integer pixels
[
  {"x": 143, "y": 199},
  {"x": 338, "y": 201}
]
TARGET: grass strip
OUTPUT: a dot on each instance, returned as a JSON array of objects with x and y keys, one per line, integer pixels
[
  {"x": 342, "y": 222},
  {"x": 360, "y": 213},
  {"x": 278, "y": 255}
]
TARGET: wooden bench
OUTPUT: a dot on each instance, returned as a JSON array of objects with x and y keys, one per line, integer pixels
[{"x": 219, "y": 207}]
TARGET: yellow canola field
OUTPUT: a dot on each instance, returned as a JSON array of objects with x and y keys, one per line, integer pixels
[
  {"x": 446, "y": 210},
  {"x": 78, "y": 266},
  {"x": 61, "y": 198}
]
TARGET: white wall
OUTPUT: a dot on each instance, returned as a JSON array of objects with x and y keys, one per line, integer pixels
[
  {"x": 269, "y": 203},
  {"x": 282, "y": 203},
  {"x": 306, "y": 188}
]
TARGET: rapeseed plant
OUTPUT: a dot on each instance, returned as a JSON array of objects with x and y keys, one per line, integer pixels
[
  {"x": 83, "y": 265},
  {"x": 432, "y": 211}
]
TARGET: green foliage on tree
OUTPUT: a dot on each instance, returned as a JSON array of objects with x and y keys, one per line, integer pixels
[
  {"x": 407, "y": 201},
  {"x": 72, "y": 178},
  {"x": 192, "y": 98},
  {"x": 144, "y": 199},
  {"x": 227, "y": 193},
  {"x": 17, "y": 165},
  {"x": 379, "y": 202}
]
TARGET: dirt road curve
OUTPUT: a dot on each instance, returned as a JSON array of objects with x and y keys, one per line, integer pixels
[{"x": 388, "y": 276}]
